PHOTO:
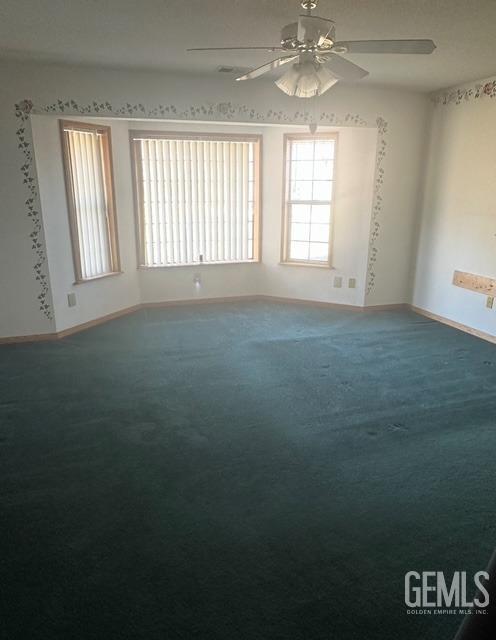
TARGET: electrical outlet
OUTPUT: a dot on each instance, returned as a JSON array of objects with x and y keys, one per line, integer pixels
[
  {"x": 338, "y": 282},
  {"x": 489, "y": 302},
  {"x": 352, "y": 283},
  {"x": 71, "y": 299}
]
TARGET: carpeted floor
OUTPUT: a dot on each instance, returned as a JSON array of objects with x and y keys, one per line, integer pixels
[{"x": 242, "y": 472}]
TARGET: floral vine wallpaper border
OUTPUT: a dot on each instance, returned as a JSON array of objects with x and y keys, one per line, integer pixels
[
  {"x": 32, "y": 204},
  {"x": 465, "y": 94},
  {"x": 213, "y": 112}
]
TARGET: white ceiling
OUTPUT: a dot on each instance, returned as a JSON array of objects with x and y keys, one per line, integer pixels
[{"x": 153, "y": 34}]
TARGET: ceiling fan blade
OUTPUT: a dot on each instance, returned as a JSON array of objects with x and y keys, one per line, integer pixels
[
  {"x": 254, "y": 73},
  {"x": 385, "y": 46},
  {"x": 342, "y": 68},
  {"x": 237, "y": 49}
]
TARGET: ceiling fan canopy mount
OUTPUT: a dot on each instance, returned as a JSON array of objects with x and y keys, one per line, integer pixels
[{"x": 311, "y": 45}]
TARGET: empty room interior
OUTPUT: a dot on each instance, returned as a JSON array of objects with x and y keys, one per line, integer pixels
[{"x": 247, "y": 319}]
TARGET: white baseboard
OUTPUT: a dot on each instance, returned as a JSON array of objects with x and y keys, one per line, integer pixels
[{"x": 456, "y": 325}]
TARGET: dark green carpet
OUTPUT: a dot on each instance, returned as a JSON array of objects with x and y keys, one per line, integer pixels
[{"x": 242, "y": 472}]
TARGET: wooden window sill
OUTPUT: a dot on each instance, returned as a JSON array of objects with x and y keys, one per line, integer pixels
[
  {"x": 305, "y": 264},
  {"x": 95, "y": 278},
  {"x": 146, "y": 267}
]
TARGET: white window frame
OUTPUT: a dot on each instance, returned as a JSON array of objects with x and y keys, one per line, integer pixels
[{"x": 289, "y": 138}]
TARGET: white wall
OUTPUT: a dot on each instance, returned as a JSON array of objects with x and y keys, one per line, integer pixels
[
  {"x": 458, "y": 225},
  {"x": 355, "y": 169},
  {"x": 94, "y": 298},
  {"x": 205, "y": 98}
]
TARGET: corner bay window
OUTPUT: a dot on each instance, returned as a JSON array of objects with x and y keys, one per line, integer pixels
[
  {"x": 308, "y": 196},
  {"x": 197, "y": 197}
]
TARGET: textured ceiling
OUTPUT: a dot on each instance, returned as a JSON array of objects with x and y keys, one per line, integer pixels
[{"x": 153, "y": 34}]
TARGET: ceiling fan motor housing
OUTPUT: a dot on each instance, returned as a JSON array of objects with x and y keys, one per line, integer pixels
[
  {"x": 308, "y": 34},
  {"x": 289, "y": 36}
]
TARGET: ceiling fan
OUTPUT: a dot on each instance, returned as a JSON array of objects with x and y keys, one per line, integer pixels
[{"x": 312, "y": 48}]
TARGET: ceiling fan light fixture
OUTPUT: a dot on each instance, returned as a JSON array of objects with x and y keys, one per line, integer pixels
[
  {"x": 306, "y": 80},
  {"x": 289, "y": 80},
  {"x": 326, "y": 79}
]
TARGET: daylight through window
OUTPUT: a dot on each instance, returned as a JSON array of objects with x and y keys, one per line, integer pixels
[
  {"x": 197, "y": 198},
  {"x": 309, "y": 182}
]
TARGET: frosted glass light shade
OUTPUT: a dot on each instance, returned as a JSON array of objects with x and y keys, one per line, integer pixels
[{"x": 306, "y": 79}]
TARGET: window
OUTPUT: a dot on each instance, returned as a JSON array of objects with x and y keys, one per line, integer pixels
[
  {"x": 197, "y": 198},
  {"x": 308, "y": 189},
  {"x": 90, "y": 196}
]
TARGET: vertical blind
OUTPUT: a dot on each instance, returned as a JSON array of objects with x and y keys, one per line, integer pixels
[
  {"x": 90, "y": 202},
  {"x": 196, "y": 200}
]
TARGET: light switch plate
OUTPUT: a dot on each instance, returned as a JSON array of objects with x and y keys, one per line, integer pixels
[
  {"x": 489, "y": 302},
  {"x": 338, "y": 282},
  {"x": 71, "y": 299},
  {"x": 352, "y": 283}
]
